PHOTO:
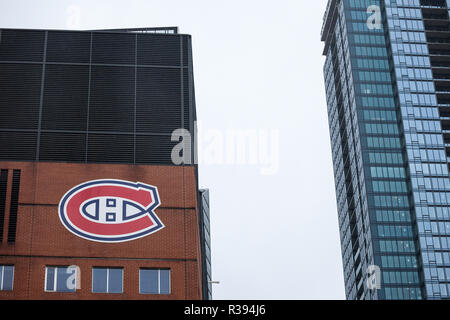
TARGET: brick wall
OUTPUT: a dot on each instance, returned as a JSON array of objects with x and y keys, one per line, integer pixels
[{"x": 42, "y": 240}]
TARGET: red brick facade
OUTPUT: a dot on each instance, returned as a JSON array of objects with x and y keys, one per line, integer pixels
[{"x": 42, "y": 240}]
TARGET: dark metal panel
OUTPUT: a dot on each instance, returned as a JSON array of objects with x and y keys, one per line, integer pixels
[
  {"x": 113, "y": 48},
  {"x": 68, "y": 47},
  {"x": 186, "y": 49},
  {"x": 58, "y": 146},
  {"x": 65, "y": 97},
  {"x": 110, "y": 148},
  {"x": 187, "y": 106},
  {"x": 21, "y": 45},
  {"x": 154, "y": 149},
  {"x": 18, "y": 145},
  {"x": 19, "y": 95},
  {"x": 158, "y": 100},
  {"x": 112, "y": 99},
  {"x": 104, "y": 104},
  {"x": 158, "y": 50}
]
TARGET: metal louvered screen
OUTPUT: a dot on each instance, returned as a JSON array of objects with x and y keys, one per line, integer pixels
[
  {"x": 65, "y": 97},
  {"x": 101, "y": 97},
  {"x": 187, "y": 110},
  {"x": 158, "y": 100},
  {"x": 68, "y": 49},
  {"x": 66, "y": 147},
  {"x": 112, "y": 99},
  {"x": 21, "y": 45},
  {"x": 186, "y": 47},
  {"x": 114, "y": 48},
  {"x": 14, "y": 205},
  {"x": 159, "y": 50},
  {"x": 111, "y": 148},
  {"x": 19, "y": 95},
  {"x": 152, "y": 149},
  {"x": 18, "y": 145}
]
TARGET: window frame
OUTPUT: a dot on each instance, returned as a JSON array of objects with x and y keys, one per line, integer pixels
[
  {"x": 55, "y": 279},
  {"x": 159, "y": 281},
  {"x": 107, "y": 280},
  {"x": 2, "y": 278}
]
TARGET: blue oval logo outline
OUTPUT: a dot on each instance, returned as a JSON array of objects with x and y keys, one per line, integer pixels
[{"x": 108, "y": 239}]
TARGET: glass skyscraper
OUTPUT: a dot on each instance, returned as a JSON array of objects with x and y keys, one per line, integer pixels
[{"x": 387, "y": 78}]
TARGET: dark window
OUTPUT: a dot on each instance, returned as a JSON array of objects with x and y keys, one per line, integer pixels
[
  {"x": 14, "y": 206},
  {"x": 3, "y": 186}
]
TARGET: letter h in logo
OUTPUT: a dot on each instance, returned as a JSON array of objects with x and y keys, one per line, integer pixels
[{"x": 111, "y": 204}]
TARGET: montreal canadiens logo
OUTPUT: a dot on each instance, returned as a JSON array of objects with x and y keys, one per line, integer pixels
[{"x": 111, "y": 210}]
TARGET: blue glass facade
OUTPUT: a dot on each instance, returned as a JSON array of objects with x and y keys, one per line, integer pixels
[{"x": 386, "y": 75}]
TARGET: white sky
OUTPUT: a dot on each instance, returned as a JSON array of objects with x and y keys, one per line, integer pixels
[{"x": 258, "y": 65}]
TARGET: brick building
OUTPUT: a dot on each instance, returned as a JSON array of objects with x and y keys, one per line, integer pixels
[{"x": 78, "y": 107}]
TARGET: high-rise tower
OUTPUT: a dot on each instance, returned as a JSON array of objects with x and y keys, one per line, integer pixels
[{"x": 387, "y": 74}]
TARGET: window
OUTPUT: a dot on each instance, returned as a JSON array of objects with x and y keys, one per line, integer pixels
[
  {"x": 60, "y": 279},
  {"x": 6, "y": 278},
  {"x": 154, "y": 281},
  {"x": 107, "y": 280}
]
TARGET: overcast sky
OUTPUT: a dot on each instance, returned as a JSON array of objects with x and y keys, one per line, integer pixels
[{"x": 258, "y": 66}]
